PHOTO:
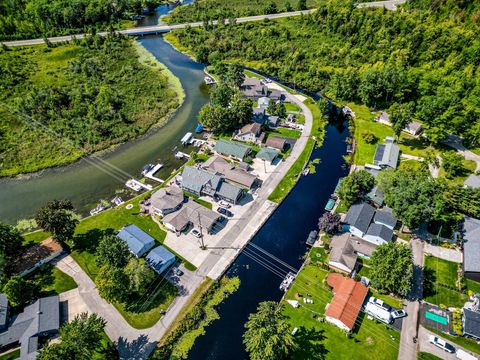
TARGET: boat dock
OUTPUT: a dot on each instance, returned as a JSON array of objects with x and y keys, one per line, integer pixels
[
  {"x": 150, "y": 170},
  {"x": 181, "y": 155},
  {"x": 285, "y": 285},
  {"x": 136, "y": 185}
]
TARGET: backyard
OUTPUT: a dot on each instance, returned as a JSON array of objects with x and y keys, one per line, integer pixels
[
  {"x": 369, "y": 340},
  {"x": 51, "y": 281}
]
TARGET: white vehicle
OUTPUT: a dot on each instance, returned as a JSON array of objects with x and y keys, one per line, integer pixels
[
  {"x": 442, "y": 344},
  {"x": 294, "y": 331},
  {"x": 463, "y": 355},
  {"x": 196, "y": 233},
  {"x": 397, "y": 314},
  {"x": 378, "y": 313},
  {"x": 380, "y": 303},
  {"x": 224, "y": 204}
]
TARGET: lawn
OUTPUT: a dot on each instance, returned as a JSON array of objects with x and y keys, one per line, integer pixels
[
  {"x": 467, "y": 343},
  {"x": 35, "y": 237},
  {"x": 371, "y": 340},
  {"x": 11, "y": 355},
  {"x": 51, "y": 280},
  {"x": 439, "y": 285},
  {"x": 284, "y": 132},
  {"x": 469, "y": 168},
  {"x": 473, "y": 285},
  {"x": 292, "y": 107},
  {"x": 195, "y": 198}
]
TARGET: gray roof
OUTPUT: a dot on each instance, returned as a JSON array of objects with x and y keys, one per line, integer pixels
[
  {"x": 167, "y": 198},
  {"x": 344, "y": 249},
  {"x": 199, "y": 215},
  {"x": 178, "y": 219},
  {"x": 472, "y": 323},
  {"x": 471, "y": 244},
  {"x": 381, "y": 231},
  {"x": 229, "y": 191},
  {"x": 473, "y": 181},
  {"x": 385, "y": 216},
  {"x": 228, "y": 170},
  {"x": 40, "y": 317},
  {"x": 414, "y": 127},
  {"x": 137, "y": 240},
  {"x": 376, "y": 195},
  {"x": 3, "y": 310},
  {"x": 158, "y": 257},
  {"x": 195, "y": 179},
  {"x": 387, "y": 155},
  {"x": 232, "y": 149},
  {"x": 360, "y": 216},
  {"x": 267, "y": 154}
]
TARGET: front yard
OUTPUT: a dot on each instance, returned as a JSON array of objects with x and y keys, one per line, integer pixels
[
  {"x": 369, "y": 340},
  {"x": 51, "y": 281}
]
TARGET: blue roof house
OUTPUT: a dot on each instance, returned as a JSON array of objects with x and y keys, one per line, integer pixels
[
  {"x": 160, "y": 259},
  {"x": 138, "y": 241}
]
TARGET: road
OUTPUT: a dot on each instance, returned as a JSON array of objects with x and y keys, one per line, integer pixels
[
  {"x": 426, "y": 346},
  {"x": 389, "y": 5},
  {"x": 408, "y": 349}
]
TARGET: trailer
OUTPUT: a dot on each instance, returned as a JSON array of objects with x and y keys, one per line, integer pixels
[{"x": 378, "y": 313}]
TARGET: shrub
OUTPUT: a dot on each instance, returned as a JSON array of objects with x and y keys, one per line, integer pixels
[{"x": 369, "y": 137}]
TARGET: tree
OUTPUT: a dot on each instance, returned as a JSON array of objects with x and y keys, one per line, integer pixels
[
  {"x": 213, "y": 117},
  {"x": 391, "y": 268},
  {"x": 221, "y": 95},
  {"x": 302, "y": 5},
  {"x": 112, "y": 251},
  {"x": 80, "y": 339},
  {"x": 355, "y": 185},
  {"x": 267, "y": 335},
  {"x": 139, "y": 276},
  {"x": 452, "y": 163},
  {"x": 328, "y": 222},
  {"x": 19, "y": 291},
  {"x": 111, "y": 283},
  {"x": 369, "y": 137},
  {"x": 10, "y": 245},
  {"x": 57, "y": 217},
  {"x": 235, "y": 76},
  {"x": 400, "y": 116},
  {"x": 271, "y": 8}
]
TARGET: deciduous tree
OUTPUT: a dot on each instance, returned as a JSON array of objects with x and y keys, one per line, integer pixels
[
  {"x": 355, "y": 185},
  {"x": 112, "y": 251},
  {"x": 111, "y": 283},
  {"x": 328, "y": 222},
  {"x": 57, "y": 217},
  {"x": 139, "y": 276},
  {"x": 19, "y": 291}
]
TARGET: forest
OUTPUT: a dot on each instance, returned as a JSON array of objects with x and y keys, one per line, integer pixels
[
  {"x": 59, "y": 103},
  {"x": 23, "y": 19},
  {"x": 425, "y": 56}
]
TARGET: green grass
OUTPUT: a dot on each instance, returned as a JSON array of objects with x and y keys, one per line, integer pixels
[
  {"x": 253, "y": 75},
  {"x": 440, "y": 280},
  {"x": 318, "y": 255},
  {"x": 473, "y": 285},
  {"x": 195, "y": 198},
  {"x": 370, "y": 340},
  {"x": 11, "y": 355},
  {"x": 292, "y": 107},
  {"x": 427, "y": 356},
  {"x": 469, "y": 168},
  {"x": 467, "y": 343},
  {"x": 35, "y": 237},
  {"x": 286, "y": 133},
  {"x": 51, "y": 281}
]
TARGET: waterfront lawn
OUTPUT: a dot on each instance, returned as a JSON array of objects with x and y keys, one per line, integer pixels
[
  {"x": 35, "y": 237},
  {"x": 467, "y": 343},
  {"x": 51, "y": 281},
  {"x": 440, "y": 281},
  {"x": 284, "y": 132},
  {"x": 369, "y": 340}
]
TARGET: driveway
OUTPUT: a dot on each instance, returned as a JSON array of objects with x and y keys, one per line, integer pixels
[
  {"x": 428, "y": 347},
  {"x": 456, "y": 143}
]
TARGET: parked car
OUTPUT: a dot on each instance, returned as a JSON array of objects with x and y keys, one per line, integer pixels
[
  {"x": 196, "y": 233},
  {"x": 225, "y": 212},
  {"x": 442, "y": 344},
  {"x": 380, "y": 303},
  {"x": 397, "y": 314},
  {"x": 177, "y": 271},
  {"x": 224, "y": 204}
]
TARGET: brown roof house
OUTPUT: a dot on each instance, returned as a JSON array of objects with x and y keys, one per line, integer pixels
[
  {"x": 253, "y": 88},
  {"x": 345, "y": 250},
  {"x": 167, "y": 200},
  {"x": 232, "y": 174},
  {"x": 248, "y": 133},
  {"x": 347, "y": 301},
  {"x": 276, "y": 142},
  {"x": 37, "y": 255}
]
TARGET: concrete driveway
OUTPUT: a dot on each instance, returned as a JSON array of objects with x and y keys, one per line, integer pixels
[{"x": 426, "y": 346}]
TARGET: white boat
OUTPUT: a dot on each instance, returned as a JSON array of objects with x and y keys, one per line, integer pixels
[
  {"x": 187, "y": 138},
  {"x": 98, "y": 209},
  {"x": 136, "y": 185},
  {"x": 117, "y": 201},
  {"x": 208, "y": 80},
  {"x": 181, "y": 155},
  {"x": 305, "y": 171},
  {"x": 287, "y": 282}
]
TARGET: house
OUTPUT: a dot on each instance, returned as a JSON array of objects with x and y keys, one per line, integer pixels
[
  {"x": 167, "y": 200},
  {"x": 191, "y": 213},
  {"x": 358, "y": 218},
  {"x": 276, "y": 95},
  {"x": 344, "y": 251},
  {"x": 471, "y": 323},
  {"x": 472, "y": 181},
  {"x": 276, "y": 142},
  {"x": 248, "y": 133},
  {"x": 471, "y": 248},
  {"x": 177, "y": 221},
  {"x": 202, "y": 182},
  {"x": 387, "y": 155},
  {"x": 3, "y": 312},
  {"x": 138, "y": 241},
  {"x": 37, "y": 321},
  {"x": 232, "y": 174},
  {"x": 160, "y": 259},
  {"x": 376, "y": 196},
  {"x": 37, "y": 255},
  {"x": 258, "y": 115},
  {"x": 263, "y": 102},
  {"x": 268, "y": 154},
  {"x": 385, "y": 217},
  {"x": 272, "y": 121},
  {"x": 347, "y": 301},
  {"x": 253, "y": 88},
  {"x": 232, "y": 149},
  {"x": 383, "y": 118},
  {"x": 378, "y": 234},
  {"x": 414, "y": 128}
]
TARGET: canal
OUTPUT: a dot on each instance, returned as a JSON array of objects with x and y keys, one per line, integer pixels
[{"x": 284, "y": 236}]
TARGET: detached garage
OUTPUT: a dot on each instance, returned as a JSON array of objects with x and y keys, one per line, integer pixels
[{"x": 160, "y": 259}]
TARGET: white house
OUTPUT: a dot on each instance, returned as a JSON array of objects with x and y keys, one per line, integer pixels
[
  {"x": 263, "y": 102},
  {"x": 248, "y": 133},
  {"x": 358, "y": 218}
]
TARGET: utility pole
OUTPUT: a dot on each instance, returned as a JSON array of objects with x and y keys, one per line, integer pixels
[{"x": 202, "y": 245}]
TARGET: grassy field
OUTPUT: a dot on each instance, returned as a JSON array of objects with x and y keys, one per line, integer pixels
[
  {"x": 284, "y": 132},
  {"x": 369, "y": 340},
  {"x": 469, "y": 168},
  {"x": 11, "y": 355},
  {"x": 51, "y": 280},
  {"x": 468, "y": 344},
  {"x": 291, "y": 107},
  {"x": 440, "y": 283},
  {"x": 35, "y": 237}
]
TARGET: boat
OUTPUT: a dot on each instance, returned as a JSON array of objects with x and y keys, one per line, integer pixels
[
  {"x": 312, "y": 237},
  {"x": 98, "y": 209},
  {"x": 199, "y": 128},
  {"x": 181, "y": 155},
  {"x": 187, "y": 138},
  {"x": 150, "y": 170},
  {"x": 287, "y": 281},
  {"x": 305, "y": 171},
  {"x": 330, "y": 204},
  {"x": 117, "y": 201},
  {"x": 209, "y": 80},
  {"x": 136, "y": 185}
]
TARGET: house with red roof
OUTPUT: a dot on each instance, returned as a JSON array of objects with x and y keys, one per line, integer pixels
[{"x": 347, "y": 301}]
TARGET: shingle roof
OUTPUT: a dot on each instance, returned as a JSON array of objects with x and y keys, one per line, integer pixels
[
  {"x": 360, "y": 216},
  {"x": 387, "y": 155},
  {"x": 472, "y": 323},
  {"x": 232, "y": 149},
  {"x": 471, "y": 244},
  {"x": 385, "y": 216},
  {"x": 207, "y": 217},
  {"x": 229, "y": 191},
  {"x": 35, "y": 254},
  {"x": 376, "y": 195},
  {"x": 381, "y": 231},
  {"x": 250, "y": 128},
  {"x": 158, "y": 257},
  {"x": 178, "y": 219},
  {"x": 194, "y": 179},
  {"x": 473, "y": 181},
  {"x": 414, "y": 127},
  {"x": 267, "y": 154},
  {"x": 3, "y": 310},
  {"x": 228, "y": 170},
  {"x": 137, "y": 240},
  {"x": 276, "y": 142},
  {"x": 342, "y": 251},
  {"x": 167, "y": 198}
]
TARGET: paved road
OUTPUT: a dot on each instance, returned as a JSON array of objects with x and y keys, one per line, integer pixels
[
  {"x": 426, "y": 346},
  {"x": 408, "y": 349},
  {"x": 389, "y": 5},
  {"x": 456, "y": 143},
  {"x": 144, "y": 30}
]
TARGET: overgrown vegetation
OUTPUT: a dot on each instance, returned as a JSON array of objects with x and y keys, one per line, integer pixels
[{"x": 61, "y": 103}]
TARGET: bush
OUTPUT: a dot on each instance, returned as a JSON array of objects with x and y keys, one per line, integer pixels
[{"x": 369, "y": 137}]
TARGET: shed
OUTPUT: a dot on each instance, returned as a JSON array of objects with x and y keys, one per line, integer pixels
[
  {"x": 160, "y": 259},
  {"x": 138, "y": 241},
  {"x": 268, "y": 154}
]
